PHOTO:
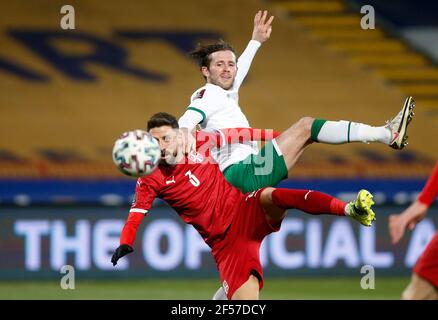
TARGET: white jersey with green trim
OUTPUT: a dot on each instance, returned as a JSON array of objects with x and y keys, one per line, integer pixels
[
  {"x": 219, "y": 110},
  {"x": 215, "y": 108}
]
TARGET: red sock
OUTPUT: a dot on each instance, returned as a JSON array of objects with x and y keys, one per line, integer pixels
[{"x": 309, "y": 201}]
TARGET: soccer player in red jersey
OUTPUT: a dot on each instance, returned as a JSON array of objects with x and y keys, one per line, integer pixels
[
  {"x": 232, "y": 224},
  {"x": 424, "y": 282}
]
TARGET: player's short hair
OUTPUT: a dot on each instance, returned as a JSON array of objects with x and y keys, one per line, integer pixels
[
  {"x": 162, "y": 119},
  {"x": 202, "y": 54}
]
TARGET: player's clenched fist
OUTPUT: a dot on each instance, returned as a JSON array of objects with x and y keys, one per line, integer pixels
[
  {"x": 121, "y": 251},
  {"x": 262, "y": 28}
]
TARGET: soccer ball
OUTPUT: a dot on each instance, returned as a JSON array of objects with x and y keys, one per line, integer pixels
[{"x": 136, "y": 153}]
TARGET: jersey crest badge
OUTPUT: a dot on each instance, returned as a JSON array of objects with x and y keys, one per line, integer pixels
[
  {"x": 196, "y": 157},
  {"x": 199, "y": 94}
]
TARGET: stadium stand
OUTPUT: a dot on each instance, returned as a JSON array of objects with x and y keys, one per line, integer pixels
[{"x": 67, "y": 95}]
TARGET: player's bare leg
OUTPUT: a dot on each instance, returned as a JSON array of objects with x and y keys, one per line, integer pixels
[
  {"x": 248, "y": 291},
  {"x": 420, "y": 289},
  {"x": 294, "y": 140},
  {"x": 273, "y": 212}
]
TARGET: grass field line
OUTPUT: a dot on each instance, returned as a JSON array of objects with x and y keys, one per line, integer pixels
[{"x": 154, "y": 289}]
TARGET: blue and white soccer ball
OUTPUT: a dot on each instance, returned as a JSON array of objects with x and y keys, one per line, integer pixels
[{"x": 136, "y": 153}]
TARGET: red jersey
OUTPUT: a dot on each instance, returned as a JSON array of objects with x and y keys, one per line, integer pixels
[
  {"x": 430, "y": 190},
  {"x": 196, "y": 190}
]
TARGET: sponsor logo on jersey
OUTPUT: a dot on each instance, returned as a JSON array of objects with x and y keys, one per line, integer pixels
[
  {"x": 307, "y": 194},
  {"x": 171, "y": 180},
  {"x": 252, "y": 194},
  {"x": 199, "y": 94}
]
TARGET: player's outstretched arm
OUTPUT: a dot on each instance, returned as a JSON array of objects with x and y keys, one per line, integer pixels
[
  {"x": 190, "y": 119},
  {"x": 127, "y": 236},
  {"x": 416, "y": 211},
  {"x": 261, "y": 32},
  {"x": 407, "y": 219}
]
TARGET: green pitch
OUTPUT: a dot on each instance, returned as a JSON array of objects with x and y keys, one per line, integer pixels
[{"x": 275, "y": 288}]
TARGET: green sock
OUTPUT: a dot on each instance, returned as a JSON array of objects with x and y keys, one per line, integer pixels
[{"x": 316, "y": 128}]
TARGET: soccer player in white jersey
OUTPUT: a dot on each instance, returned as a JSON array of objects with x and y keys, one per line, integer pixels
[{"x": 216, "y": 106}]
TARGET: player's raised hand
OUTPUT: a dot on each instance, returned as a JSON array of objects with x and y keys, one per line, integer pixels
[
  {"x": 121, "y": 251},
  {"x": 262, "y": 27},
  {"x": 407, "y": 219}
]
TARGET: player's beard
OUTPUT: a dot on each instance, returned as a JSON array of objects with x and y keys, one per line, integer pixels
[{"x": 169, "y": 160}]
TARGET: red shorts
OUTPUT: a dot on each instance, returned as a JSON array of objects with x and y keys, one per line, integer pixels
[
  {"x": 237, "y": 254},
  {"x": 427, "y": 265}
]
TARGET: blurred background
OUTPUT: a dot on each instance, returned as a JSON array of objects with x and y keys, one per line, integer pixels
[{"x": 66, "y": 95}]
